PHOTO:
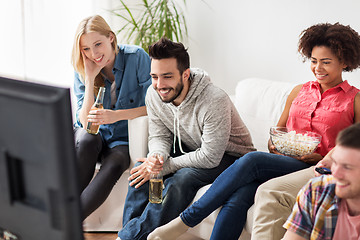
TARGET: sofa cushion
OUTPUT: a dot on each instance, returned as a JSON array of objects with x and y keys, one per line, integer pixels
[{"x": 260, "y": 103}]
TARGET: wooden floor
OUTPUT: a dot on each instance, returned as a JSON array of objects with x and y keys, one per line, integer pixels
[
  {"x": 100, "y": 236},
  {"x": 113, "y": 236}
]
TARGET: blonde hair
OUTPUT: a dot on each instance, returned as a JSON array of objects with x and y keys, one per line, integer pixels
[{"x": 90, "y": 24}]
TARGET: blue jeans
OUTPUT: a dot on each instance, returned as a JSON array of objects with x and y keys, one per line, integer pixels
[
  {"x": 141, "y": 217},
  {"x": 235, "y": 189}
]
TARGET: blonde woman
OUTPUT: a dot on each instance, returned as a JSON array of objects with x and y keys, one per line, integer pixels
[{"x": 124, "y": 72}]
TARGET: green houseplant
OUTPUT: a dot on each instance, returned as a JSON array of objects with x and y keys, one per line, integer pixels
[{"x": 151, "y": 20}]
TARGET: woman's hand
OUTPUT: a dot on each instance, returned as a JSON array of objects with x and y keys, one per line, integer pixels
[
  {"x": 308, "y": 158},
  {"x": 102, "y": 116},
  {"x": 312, "y": 158},
  {"x": 90, "y": 67},
  {"x": 272, "y": 149}
]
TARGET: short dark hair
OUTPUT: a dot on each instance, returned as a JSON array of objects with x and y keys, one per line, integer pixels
[
  {"x": 165, "y": 48},
  {"x": 349, "y": 137},
  {"x": 343, "y": 41}
]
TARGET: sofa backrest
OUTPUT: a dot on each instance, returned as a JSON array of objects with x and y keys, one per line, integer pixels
[
  {"x": 138, "y": 138},
  {"x": 260, "y": 103}
]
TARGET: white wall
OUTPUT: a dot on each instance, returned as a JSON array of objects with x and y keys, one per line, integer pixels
[
  {"x": 230, "y": 39},
  {"x": 37, "y": 37},
  {"x": 11, "y": 40},
  {"x": 233, "y": 40}
]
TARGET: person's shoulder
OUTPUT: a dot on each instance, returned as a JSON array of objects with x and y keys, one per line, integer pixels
[
  {"x": 220, "y": 92},
  {"x": 150, "y": 90},
  {"x": 322, "y": 184},
  {"x": 215, "y": 99},
  {"x": 130, "y": 49},
  {"x": 323, "y": 180},
  {"x": 205, "y": 80},
  {"x": 318, "y": 190},
  {"x": 295, "y": 91},
  {"x": 298, "y": 87},
  {"x": 357, "y": 97},
  {"x": 205, "y": 89},
  {"x": 306, "y": 85},
  {"x": 215, "y": 93},
  {"x": 151, "y": 94}
]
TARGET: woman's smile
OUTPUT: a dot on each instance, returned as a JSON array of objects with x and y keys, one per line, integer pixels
[{"x": 99, "y": 59}]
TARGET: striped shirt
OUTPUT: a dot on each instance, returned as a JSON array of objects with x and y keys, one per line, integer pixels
[{"x": 315, "y": 213}]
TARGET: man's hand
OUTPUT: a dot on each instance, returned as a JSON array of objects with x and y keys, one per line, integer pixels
[
  {"x": 325, "y": 162},
  {"x": 141, "y": 174},
  {"x": 155, "y": 164}
]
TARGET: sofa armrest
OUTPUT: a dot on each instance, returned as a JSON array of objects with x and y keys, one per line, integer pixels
[{"x": 138, "y": 138}]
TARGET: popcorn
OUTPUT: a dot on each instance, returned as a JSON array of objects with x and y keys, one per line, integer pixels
[{"x": 292, "y": 143}]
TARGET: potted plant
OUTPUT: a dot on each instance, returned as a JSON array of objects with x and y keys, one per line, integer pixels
[{"x": 151, "y": 20}]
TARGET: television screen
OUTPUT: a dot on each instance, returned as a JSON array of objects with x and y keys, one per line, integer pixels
[{"x": 39, "y": 193}]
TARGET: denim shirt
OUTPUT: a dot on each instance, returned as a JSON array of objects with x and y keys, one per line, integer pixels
[{"x": 132, "y": 78}]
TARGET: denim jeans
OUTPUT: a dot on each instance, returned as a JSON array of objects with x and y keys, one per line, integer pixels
[
  {"x": 235, "y": 189},
  {"x": 141, "y": 217}
]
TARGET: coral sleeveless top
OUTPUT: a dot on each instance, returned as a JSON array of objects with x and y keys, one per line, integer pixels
[{"x": 326, "y": 114}]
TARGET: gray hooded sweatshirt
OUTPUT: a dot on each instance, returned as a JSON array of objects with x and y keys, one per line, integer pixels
[{"x": 207, "y": 122}]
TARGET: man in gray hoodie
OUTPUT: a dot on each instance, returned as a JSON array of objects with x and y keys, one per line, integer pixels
[{"x": 194, "y": 127}]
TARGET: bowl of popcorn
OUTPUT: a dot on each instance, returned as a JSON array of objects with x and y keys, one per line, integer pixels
[{"x": 294, "y": 143}]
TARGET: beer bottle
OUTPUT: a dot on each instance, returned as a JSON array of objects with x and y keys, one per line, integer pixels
[
  {"x": 156, "y": 186},
  {"x": 91, "y": 128}
]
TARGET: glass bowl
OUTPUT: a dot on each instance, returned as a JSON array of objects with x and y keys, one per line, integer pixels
[{"x": 294, "y": 143}]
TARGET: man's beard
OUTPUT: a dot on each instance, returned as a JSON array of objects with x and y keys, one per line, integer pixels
[{"x": 177, "y": 91}]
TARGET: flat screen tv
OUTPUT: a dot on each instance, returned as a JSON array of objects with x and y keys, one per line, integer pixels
[{"x": 39, "y": 192}]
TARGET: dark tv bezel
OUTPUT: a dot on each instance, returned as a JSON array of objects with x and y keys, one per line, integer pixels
[{"x": 38, "y": 183}]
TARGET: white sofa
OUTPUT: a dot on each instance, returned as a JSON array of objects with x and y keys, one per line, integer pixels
[{"x": 259, "y": 103}]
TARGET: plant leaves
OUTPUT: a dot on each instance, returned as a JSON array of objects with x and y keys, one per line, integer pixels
[{"x": 150, "y": 21}]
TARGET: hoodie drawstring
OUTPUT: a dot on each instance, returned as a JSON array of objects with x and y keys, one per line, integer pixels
[{"x": 177, "y": 131}]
